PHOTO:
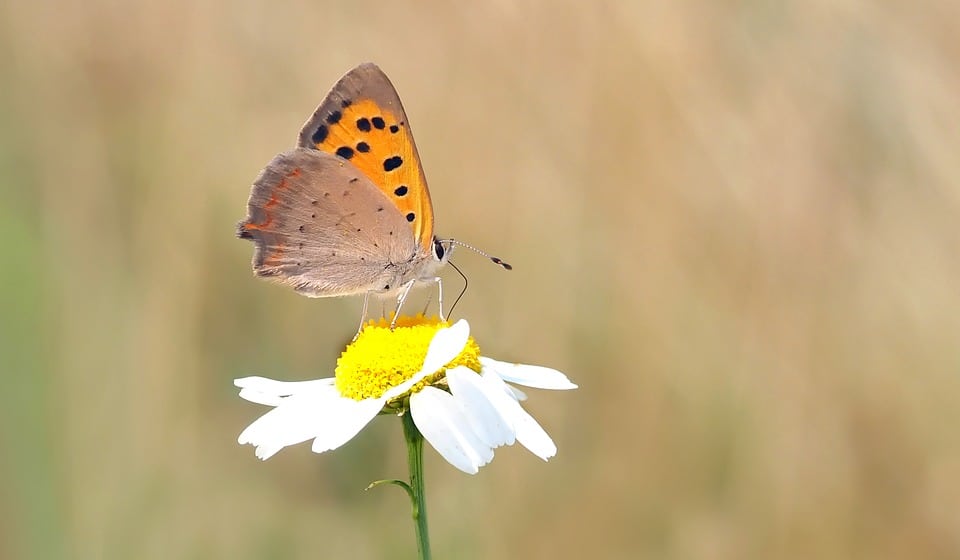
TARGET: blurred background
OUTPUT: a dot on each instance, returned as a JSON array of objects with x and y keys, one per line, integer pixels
[{"x": 734, "y": 224}]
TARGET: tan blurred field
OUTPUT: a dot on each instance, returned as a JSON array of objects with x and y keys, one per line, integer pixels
[{"x": 735, "y": 224}]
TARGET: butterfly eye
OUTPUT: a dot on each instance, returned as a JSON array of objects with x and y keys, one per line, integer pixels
[{"x": 438, "y": 249}]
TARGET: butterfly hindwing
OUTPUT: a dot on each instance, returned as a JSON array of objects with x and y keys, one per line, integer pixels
[
  {"x": 362, "y": 122},
  {"x": 324, "y": 228}
]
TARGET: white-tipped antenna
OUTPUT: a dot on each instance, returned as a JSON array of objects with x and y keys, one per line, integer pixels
[{"x": 496, "y": 260}]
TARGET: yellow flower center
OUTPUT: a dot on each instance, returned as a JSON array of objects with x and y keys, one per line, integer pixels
[{"x": 381, "y": 358}]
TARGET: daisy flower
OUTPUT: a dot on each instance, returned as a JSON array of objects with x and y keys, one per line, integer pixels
[{"x": 460, "y": 401}]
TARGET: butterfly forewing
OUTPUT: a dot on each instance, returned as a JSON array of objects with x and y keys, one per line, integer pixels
[
  {"x": 325, "y": 228},
  {"x": 362, "y": 122}
]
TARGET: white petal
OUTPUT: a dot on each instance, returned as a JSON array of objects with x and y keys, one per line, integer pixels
[
  {"x": 271, "y": 392},
  {"x": 297, "y": 419},
  {"x": 532, "y": 376},
  {"x": 517, "y": 394},
  {"x": 345, "y": 418},
  {"x": 402, "y": 388},
  {"x": 446, "y": 345},
  {"x": 528, "y": 430},
  {"x": 532, "y": 436},
  {"x": 486, "y": 419},
  {"x": 444, "y": 424}
]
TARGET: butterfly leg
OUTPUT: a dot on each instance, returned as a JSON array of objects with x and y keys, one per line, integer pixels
[
  {"x": 363, "y": 314},
  {"x": 404, "y": 292},
  {"x": 440, "y": 296},
  {"x": 426, "y": 306}
]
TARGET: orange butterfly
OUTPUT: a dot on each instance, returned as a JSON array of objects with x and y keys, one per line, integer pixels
[{"x": 348, "y": 211}]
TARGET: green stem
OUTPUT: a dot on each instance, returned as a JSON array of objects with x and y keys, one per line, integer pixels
[{"x": 417, "y": 498}]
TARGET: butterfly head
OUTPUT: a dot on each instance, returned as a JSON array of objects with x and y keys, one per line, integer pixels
[{"x": 442, "y": 250}]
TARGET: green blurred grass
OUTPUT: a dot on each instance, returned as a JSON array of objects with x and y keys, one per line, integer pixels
[{"x": 734, "y": 224}]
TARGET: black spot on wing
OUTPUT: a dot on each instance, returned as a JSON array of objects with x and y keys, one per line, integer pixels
[
  {"x": 319, "y": 135},
  {"x": 378, "y": 123},
  {"x": 363, "y": 124},
  {"x": 392, "y": 163},
  {"x": 334, "y": 117},
  {"x": 401, "y": 190},
  {"x": 346, "y": 152}
]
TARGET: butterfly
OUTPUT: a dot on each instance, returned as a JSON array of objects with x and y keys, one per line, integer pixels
[{"x": 348, "y": 210}]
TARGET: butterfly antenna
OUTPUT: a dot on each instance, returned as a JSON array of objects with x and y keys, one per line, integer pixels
[
  {"x": 496, "y": 260},
  {"x": 463, "y": 291}
]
